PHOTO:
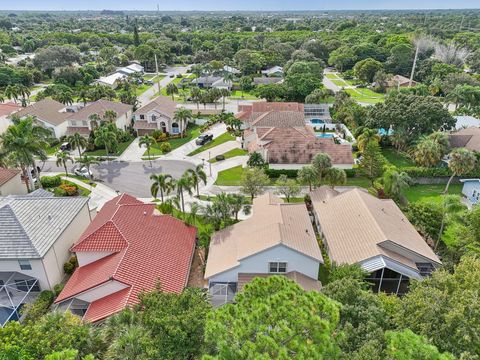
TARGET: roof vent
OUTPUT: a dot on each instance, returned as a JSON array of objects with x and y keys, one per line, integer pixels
[
  {"x": 145, "y": 213},
  {"x": 49, "y": 217}
]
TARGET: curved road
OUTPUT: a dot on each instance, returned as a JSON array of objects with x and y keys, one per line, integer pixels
[{"x": 130, "y": 177}]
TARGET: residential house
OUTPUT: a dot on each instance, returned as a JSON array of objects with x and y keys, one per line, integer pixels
[
  {"x": 278, "y": 239},
  {"x": 274, "y": 71},
  {"x": 6, "y": 110},
  {"x": 466, "y": 138},
  {"x": 80, "y": 122},
  {"x": 465, "y": 121},
  {"x": 131, "y": 69},
  {"x": 267, "y": 80},
  {"x": 231, "y": 70},
  {"x": 471, "y": 190},
  {"x": 112, "y": 81},
  {"x": 358, "y": 228},
  {"x": 212, "y": 82},
  {"x": 158, "y": 114},
  {"x": 37, "y": 231},
  {"x": 50, "y": 114},
  {"x": 128, "y": 248},
  {"x": 11, "y": 182},
  {"x": 278, "y": 132},
  {"x": 399, "y": 81}
]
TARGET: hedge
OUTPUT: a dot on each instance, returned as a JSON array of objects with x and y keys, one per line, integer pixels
[
  {"x": 416, "y": 172},
  {"x": 275, "y": 173},
  {"x": 39, "y": 307},
  {"x": 50, "y": 181}
]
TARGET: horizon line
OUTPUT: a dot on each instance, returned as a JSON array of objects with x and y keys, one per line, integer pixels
[{"x": 240, "y": 10}]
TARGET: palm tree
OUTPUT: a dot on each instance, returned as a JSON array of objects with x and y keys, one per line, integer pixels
[
  {"x": 321, "y": 163},
  {"x": 11, "y": 92},
  {"x": 24, "y": 92},
  {"x": 456, "y": 96},
  {"x": 395, "y": 183},
  {"x": 162, "y": 182},
  {"x": 335, "y": 177},
  {"x": 427, "y": 153},
  {"x": 365, "y": 137},
  {"x": 148, "y": 141},
  {"x": 183, "y": 115},
  {"x": 195, "y": 94},
  {"x": 83, "y": 95},
  {"x": 194, "y": 212},
  {"x": 88, "y": 161},
  {"x": 198, "y": 175},
  {"x": 105, "y": 136},
  {"x": 225, "y": 93},
  {"x": 462, "y": 161},
  {"x": 110, "y": 116},
  {"x": 184, "y": 184},
  {"x": 307, "y": 175},
  {"x": 62, "y": 158},
  {"x": 77, "y": 141},
  {"x": 450, "y": 205},
  {"x": 2, "y": 98},
  {"x": 172, "y": 89},
  {"x": 237, "y": 203},
  {"x": 65, "y": 97},
  {"x": 22, "y": 142},
  {"x": 94, "y": 121}
]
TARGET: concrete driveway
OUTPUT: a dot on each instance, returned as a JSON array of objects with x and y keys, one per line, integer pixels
[{"x": 130, "y": 177}]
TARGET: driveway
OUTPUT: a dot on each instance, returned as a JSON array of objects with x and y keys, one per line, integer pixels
[{"x": 132, "y": 178}]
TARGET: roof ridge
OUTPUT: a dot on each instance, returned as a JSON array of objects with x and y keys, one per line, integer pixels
[{"x": 377, "y": 226}]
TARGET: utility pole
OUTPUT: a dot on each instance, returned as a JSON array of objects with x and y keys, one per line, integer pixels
[
  {"x": 414, "y": 64},
  {"x": 158, "y": 75},
  {"x": 461, "y": 23}
]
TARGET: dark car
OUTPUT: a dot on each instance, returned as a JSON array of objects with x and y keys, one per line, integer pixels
[
  {"x": 65, "y": 147},
  {"x": 203, "y": 139}
]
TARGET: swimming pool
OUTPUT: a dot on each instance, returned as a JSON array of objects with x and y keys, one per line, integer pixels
[
  {"x": 317, "y": 122},
  {"x": 324, "y": 135}
]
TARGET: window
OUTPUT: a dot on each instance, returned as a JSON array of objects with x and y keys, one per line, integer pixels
[
  {"x": 277, "y": 267},
  {"x": 154, "y": 118},
  {"x": 84, "y": 123},
  {"x": 425, "y": 269},
  {"x": 142, "y": 117},
  {"x": 73, "y": 122},
  {"x": 24, "y": 264}
]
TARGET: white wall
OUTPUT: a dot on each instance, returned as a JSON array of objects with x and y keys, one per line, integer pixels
[
  {"x": 258, "y": 263},
  {"x": 101, "y": 291},
  {"x": 4, "y": 124},
  {"x": 85, "y": 258},
  {"x": 14, "y": 186},
  {"x": 123, "y": 121},
  {"x": 37, "y": 271}
]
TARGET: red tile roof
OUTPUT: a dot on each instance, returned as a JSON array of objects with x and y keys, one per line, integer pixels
[
  {"x": 146, "y": 248},
  {"x": 8, "y": 108},
  {"x": 7, "y": 174}
]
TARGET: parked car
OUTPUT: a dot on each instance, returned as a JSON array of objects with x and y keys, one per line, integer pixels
[
  {"x": 203, "y": 139},
  {"x": 149, "y": 82},
  {"x": 65, "y": 146},
  {"x": 83, "y": 172}
]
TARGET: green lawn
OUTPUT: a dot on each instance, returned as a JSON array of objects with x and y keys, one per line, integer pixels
[
  {"x": 430, "y": 192},
  {"x": 359, "y": 181},
  {"x": 217, "y": 141},
  {"x": 101, "y": 152},
  {"x": 239, "y": 95},
  {"x": 365, "y": 95},
  {"x": 400, "y": 160},
  {"x": 144, "y": 87},
  {"x": 230, "y": 154},
  {"x": 230, "y": 177},
  {"x": 331, "y": 76},
  {"x": 82, "y": 179},
  {"x": 339, "y": 82},
  {"x": 192, "y": 132}
]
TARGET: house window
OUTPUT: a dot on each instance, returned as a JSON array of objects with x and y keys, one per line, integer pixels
[
  {"x": 24, "y": 264},
  {"x": 277, "y": 267},
  {"x": 73, "y": 122},
  {"x": 154, "y": 118},
  {"x": 84, "y": 123},
  {"x": 142, "y": 117},
  {"x": 175, "y": 129}
]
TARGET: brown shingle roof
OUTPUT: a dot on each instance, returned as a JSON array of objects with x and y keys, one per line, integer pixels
[
  {"x": 272, "y": 223},
  {"x": 468, "y": 138},
  {"x": 141, "y": 124},
  {"x": 99, "y": 107},
  {"x": 298, "y": 146},
  {"x": 162, "y": 104},
  {"x": 82, "y": 130},
  {"x": 47, "y": 110},
  {"x": 357, "y": 226},
  {"x": 7, "y": 174}
]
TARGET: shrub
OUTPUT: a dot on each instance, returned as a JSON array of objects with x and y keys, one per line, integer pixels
[
  {"x": 39, "y": 307},
  {"x": 70, "y": 265},
  {"x": 50, "y": 181},
  {"x": 156, "y": 134},
  {"x": 57, "y": 289},
  {"x": 69, "y": 189},
  {"x": 165, "y": 147},
  {"x": 350, "y": 172},
  {"x": 58, "y": 191},
  {"x": 417, "y": 171},
  {"x": 274, "y": 173}
]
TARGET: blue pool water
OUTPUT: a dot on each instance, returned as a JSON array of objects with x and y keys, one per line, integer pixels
[
  {"x": 317, "y": 122},
  {"x": 324, "y": 136}
]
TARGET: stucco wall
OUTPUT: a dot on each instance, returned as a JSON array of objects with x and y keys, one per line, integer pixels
[
  {"x": 37, "y": 271},
  {"x": 468, "y": 188},
  {"x": 101, "y": 291},
  {"x": 258, "y": 263},
  {"x": 13, "y": 187}
]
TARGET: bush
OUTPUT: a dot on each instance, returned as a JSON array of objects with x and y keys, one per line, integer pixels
[
  {"x": 59, "y": 192},
  {"x": 57, "y": 289},
  {"x": 165, "y": 147},
  {"x": 350, "y": 173},
  {"x": 39, "y": 307},
  {"x": 50, "y": 181},
  {"x": 70, "y": 265},
  {"x": 275, "y": 174},
  {"x": 417, "y": 171},
  {"x": 69, "y": 189}
]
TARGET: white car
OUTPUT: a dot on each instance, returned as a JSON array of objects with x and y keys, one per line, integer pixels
[{"x": 83, "y": 172}]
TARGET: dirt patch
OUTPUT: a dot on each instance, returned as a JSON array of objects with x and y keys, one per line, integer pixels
[{"x": 195, "y": 278}]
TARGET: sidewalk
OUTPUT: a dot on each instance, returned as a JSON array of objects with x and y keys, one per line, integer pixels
[{"x": 218, "y": 150}]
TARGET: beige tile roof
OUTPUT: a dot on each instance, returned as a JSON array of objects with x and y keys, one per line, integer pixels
[
  {"x": 468, "y": 138},
  {"x": 47, "y": 110},
  {"x": 277, "y": 119},
  {"x": 7, "y": 174},
  {"x": 162, "y": 104},
  {"x": 307, "y": 283},
  {"x": 357, "y": 226},
  {"x": 272, "y": 223},
  {"x": 99, "y": 107}
]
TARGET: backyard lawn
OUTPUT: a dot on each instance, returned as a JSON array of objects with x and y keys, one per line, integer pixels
[
  {"x": 102, "y": 152},
  {"x": 400, "y": 160},
  {"x": 430, "y": 192},
  {"x": 217, "y": 141},
  {"x": 193, "y": 131},
  {"x": 230, "y": 154},
  {"x": 242, "y": 95},
  {"x": 230, "y": 177}
]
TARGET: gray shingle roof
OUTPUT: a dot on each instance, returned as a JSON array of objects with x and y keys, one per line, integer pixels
[{"x": 32, "y": 223}]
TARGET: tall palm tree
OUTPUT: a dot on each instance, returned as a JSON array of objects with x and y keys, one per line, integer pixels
[
  {"x": 62, "y": 158},
  {"x": 110, "y": 116},
  {"x": 94, "y": 121},
  {"x": 462, "y": 161},
  {"x": 365, "y": 137},
  {"x": 88, "y": 161},
  {"x": 195, "y": 94},
  {"x": 198, "y": 175},
  {"x": 83, "y": 95},
  {"x": 237, "y": 203},
  {"x": 64, "y": 97},
  {"x": 183, "y": 115},
  {"x": 308, "y": 176},
  {"x": 335, "y": 177},
  {"x": 171, "y": 90},
  {"x": 105, "y": 136},
  {"x": 22, "y": 142},
  {"x": 184, "y": 184},
  {"x": 148, "y": 141},
  {"x": 321, "y": 163},
  {"x": 161, "y": 182},
  {"x": 24, "y": 92},
  {"x": 195, "y": 209},
  {"x": 225, "y": 93},
  {"x": 78, "y": 142},
  {"x": 450, "y": 205},
  {"x": 11, "y": 92},
  {"x": 396, "y": 183}
]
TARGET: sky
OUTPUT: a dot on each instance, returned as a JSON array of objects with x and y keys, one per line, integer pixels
[{"x": 251, "y": 5}]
